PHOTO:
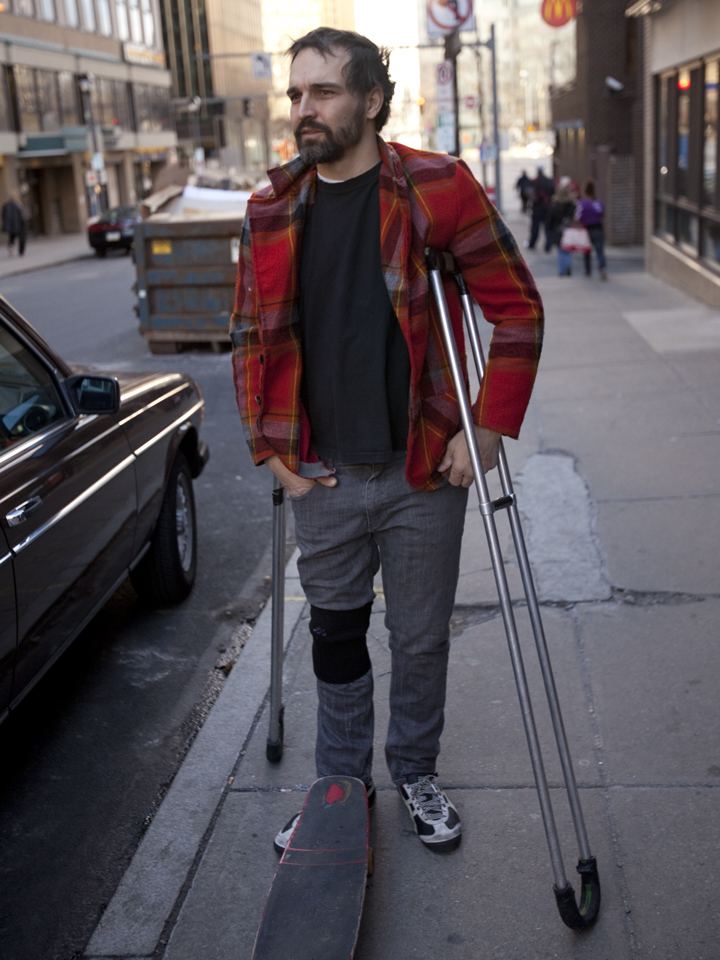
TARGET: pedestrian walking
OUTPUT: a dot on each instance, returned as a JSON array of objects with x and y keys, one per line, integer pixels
[
  {"x": 345, "y": 394},
  {"x": 13, "y": 224},
  {"x": 591, "y": 214},
  {"x": 542, "y": 190},
  {"x": 560, "y": 216},
  {"x": 523, "y": 186}
]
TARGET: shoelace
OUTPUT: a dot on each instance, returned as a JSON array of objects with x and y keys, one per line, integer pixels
[{"x": 427, "y": 797}]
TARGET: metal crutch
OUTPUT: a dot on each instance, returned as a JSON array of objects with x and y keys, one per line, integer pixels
[
  {"x": 274, "y": 749},
  {"x": 584, "y": 915}
]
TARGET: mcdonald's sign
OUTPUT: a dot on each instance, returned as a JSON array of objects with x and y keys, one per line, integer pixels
[{"x": 557, "y": 13}]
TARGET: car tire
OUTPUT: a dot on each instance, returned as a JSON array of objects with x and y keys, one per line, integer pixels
[
  {"x": 166, "y": 574},
  {"x": 100, "y": 252}
]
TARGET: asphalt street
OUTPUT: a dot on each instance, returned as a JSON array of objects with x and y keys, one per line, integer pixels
[{"x": 88, "y": 756}]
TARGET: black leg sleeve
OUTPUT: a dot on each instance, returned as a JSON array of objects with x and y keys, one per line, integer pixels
[{"x": 340, "y": 653}]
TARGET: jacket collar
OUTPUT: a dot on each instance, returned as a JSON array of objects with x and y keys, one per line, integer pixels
[{"x": 295, "y": 173}]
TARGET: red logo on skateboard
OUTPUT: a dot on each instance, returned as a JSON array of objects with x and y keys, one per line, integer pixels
[{"x": 337, "y": 792}]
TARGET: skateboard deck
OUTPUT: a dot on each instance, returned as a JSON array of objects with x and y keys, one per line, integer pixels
[{"x": 315, "y": 903}]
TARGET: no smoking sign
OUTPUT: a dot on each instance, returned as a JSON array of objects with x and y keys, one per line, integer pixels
[{"x": 444, "y": 16}]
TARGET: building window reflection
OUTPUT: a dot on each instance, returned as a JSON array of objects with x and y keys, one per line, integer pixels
[{"x": 687, "y": 159}]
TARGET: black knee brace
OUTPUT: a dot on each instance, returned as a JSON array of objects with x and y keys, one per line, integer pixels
[{"x": 339, "y": 651}]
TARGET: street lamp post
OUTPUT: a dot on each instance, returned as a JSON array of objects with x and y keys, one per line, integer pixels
[{"x": 99, "y": 179}]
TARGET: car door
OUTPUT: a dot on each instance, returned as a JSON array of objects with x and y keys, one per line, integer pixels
[
  {"x": 67, "y": 504},
  {"x": 8, "y": 631}
]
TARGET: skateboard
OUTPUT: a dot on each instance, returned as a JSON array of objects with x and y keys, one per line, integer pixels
[{"x": 315, "y": 903}]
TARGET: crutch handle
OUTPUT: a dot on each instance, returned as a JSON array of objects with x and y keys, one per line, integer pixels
[{"x": 583, "y": 916}]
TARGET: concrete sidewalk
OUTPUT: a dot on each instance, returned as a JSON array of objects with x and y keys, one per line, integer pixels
[
  {"x": 44, "y": 252},
  {"x": 618, "y": 477}
]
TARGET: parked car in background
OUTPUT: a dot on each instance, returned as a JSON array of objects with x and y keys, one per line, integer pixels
[
  {"x": 113, "y": 230},
  {"x": 96, "y": 483}
]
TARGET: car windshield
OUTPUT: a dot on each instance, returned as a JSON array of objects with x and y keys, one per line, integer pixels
[{"x": 120, "y": 213}]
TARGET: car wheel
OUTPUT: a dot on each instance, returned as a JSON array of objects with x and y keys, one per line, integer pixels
[
  {"x": 100, "y": 252},
  {"x": 166, "y": 574}
]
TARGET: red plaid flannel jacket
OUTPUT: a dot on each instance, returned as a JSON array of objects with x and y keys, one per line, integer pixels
[{"x": 426, "y": 200}]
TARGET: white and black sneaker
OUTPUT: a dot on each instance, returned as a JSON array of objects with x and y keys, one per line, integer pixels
[
  {"x": 434, "y": 816},
  {"x": 283, "y": 838}
]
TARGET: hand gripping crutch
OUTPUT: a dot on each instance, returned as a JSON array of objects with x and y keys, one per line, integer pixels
[
  {"x": 584, "y": 915},
  {"x": 274, "y": 747}
]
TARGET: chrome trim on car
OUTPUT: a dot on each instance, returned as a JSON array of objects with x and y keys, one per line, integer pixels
[
  {"x": 176, "y": 423},
  {"x": 153, "y": 403},
  {"x": 69, "y": 507},
  {"x": 147, "y": 384},
  {"x": 8, "y": 556}
]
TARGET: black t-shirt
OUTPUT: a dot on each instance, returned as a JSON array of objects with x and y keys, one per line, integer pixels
[{"x": 356, "y": 368}]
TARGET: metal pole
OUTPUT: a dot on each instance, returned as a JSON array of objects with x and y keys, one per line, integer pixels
[
  {"x": 275, "y": 732},
  {"x": 496, "y": 119}
]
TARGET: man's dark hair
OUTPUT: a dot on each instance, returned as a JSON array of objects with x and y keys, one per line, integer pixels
[
  {"x": 590, "y": 189},
  {"x": 366, "y": 69}
]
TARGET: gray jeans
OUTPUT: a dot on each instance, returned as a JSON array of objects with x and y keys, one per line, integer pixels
[{"x": 373, "y": 517}]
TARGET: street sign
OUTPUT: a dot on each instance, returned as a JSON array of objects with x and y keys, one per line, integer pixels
[
  {"x": 445, "y": 101},
  {"x": 445, "y": 16},
  {"x": 261, "y": 66}
]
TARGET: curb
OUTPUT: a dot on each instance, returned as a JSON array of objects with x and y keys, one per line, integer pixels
[{"x": 134, "y": 920}]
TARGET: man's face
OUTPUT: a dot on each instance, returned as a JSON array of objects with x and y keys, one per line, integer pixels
[{"x": 327, "y": 119}]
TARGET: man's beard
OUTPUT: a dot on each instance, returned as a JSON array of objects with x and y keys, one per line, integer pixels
[{"x": 332, "y": 146}]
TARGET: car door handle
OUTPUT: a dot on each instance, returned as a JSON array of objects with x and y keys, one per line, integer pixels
[{"x": 19, "y": 514}]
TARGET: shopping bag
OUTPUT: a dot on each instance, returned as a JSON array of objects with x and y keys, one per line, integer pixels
[{"x": 575, "y": 239}]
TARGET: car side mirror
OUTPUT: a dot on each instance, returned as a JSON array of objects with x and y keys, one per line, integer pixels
[{"x": 94, "y": 394}]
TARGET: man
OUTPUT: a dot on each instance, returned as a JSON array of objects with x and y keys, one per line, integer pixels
[
  {"x": 542, "y": 189},
  {"x": 343, "y": 386},
  {"x": 13, "y": 224},
  {"x": 523, "y": 186}
]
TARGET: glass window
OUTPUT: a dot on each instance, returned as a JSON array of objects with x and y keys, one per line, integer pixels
[
  {"x": 46, "y": 10},
  {"x": 25, "y": 8},
  {"x": 68, "y": 99},
  {"x": 71, "y": 13},
  {"x": 152, "y": 108},
  {"x": 88, "y": 15},
  {"x": 121, "y": 16},
  {"x": 710, "y": 138},
  {"x": 687, "y": 229},
  {"x": 135, "y": 21},
  {"x": 27, "y": 99},
  {"x": 684, "y": 86},
  {"x": 148, "y": 23},
  {"x": 29, "y": 399},
  {"x": 48, "y": 101},
  {"x": 711, "y": 243},
  {"x": 104, "y": 18}
]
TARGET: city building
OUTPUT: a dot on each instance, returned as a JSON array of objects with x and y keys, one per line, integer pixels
[
  {"x": 221, "y": 77},
  {"x": 85, "y": 117},
  {"x": 682, "y": 142},
  {"x": 281, "y": 24},
  {"x": 597, "y": 117}
]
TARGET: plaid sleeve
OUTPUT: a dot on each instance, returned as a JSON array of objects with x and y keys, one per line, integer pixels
[
  {"x": 500, "y": 282},
  {"x": 247, "y": 352}
]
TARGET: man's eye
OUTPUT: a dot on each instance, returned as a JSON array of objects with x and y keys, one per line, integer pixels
[
  {"x": 293, "y": 97},
  {"x": 326, "y": 93}
]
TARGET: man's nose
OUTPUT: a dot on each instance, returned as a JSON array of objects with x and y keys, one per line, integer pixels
[{"x": 307, "y": 108}]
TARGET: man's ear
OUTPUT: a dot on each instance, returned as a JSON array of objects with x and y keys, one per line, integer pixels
[{"x": 375, "y": 101}]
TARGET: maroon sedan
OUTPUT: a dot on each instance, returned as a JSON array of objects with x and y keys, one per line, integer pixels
[
  {"x": 96, "y": 483},
  {"x": 113, "y": 230}
]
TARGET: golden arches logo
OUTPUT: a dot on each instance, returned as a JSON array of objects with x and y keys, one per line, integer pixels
[{"x": 557, "y": 13}]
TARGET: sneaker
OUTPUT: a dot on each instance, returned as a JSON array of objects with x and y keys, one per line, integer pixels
[
  {"x": 283, "y": 838},
  {"x": 436, "y": 820}
]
